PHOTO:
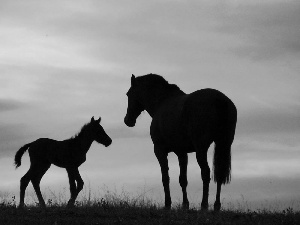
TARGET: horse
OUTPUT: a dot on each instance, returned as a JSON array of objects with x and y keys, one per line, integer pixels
[
  {"x": 68, "y": 154},
  {"x": 184, "y": 123}
]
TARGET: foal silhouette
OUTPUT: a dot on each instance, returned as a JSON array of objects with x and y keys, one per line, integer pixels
[
  {"x": 183, "y": 123},
  {"x": 69, "y": 154}
]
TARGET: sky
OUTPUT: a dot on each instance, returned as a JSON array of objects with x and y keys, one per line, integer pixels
[{"x": 62, "y": 62}]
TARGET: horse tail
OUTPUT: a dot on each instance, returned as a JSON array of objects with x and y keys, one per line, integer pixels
[
  {"x": 222, "y": 153},
  {"x": 20, "y": 153},
  {"x": 222, "y": 164}
]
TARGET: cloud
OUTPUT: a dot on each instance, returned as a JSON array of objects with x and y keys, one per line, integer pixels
[
  {"x": 270, "y": 135},
  {"x": 265, "y": 30},
  {"x": 129, "y": 34},
  {"x": 280, "y": 119},
  {"x": 9, "y": 105},
  {"x": 126, "y": 132},
  {"x": 12, "y": 137}
]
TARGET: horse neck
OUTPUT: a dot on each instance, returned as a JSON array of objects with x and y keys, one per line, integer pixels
[{"x": 156, "y": 99}]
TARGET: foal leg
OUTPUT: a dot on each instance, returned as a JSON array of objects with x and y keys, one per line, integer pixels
[
  {"x": 72, "y": 187},
  {"x": 183, "y": 161},
  {"x": 163, "y": 162},
  {"x": 80, "y": 183},
  {"x": 23, "y": 185},
  {"x": 201, "y": 155},
  {"x": 74, "y": 177},
  {"x": 39, "y": 171}
]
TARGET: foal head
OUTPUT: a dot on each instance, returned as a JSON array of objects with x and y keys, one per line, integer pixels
[
  {"x": 97, "y": 133},
  {"x": 135, "y": 106}
]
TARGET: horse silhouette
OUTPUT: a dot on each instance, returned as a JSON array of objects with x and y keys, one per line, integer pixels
[
  {"x": 184, "y": 123},
  {"x": 69, "y": 154}
]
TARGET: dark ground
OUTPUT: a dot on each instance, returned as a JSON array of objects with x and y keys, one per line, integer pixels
[{"x": 103, "y": 212}]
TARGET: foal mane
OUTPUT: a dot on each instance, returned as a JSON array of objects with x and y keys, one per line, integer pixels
[
  {"x": 82, "y": 130},
  {"x": 154, "y": 80}
]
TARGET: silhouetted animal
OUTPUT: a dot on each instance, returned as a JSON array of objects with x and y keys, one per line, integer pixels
[
  {"x": 69, "y": 154},
  {"x": 184, "y": 123}
]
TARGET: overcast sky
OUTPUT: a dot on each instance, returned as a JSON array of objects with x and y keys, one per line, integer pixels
[{"x": 62, "y": 62}]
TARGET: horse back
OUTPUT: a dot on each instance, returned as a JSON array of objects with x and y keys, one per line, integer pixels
[
  {"x": 186, "y": 120},
  {"x": 208, "y": 112}
]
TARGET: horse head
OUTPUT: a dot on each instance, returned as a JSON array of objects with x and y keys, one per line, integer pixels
[{"x": 135, "y": 107}]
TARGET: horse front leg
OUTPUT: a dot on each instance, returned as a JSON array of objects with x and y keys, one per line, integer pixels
[
  {"x": 162, "y": 158},
  {"x": 183, "y": 161}
]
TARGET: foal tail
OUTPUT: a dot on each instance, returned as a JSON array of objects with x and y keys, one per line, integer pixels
[{"x": 20, "y": 153}]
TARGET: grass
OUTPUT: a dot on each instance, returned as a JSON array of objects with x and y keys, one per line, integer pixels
[{"x": 113, "y": 208}]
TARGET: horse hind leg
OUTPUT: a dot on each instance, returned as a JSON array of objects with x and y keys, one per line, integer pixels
[
  {"x": 201, "y": 155},
  {"x": 217, "y": 205},
  {"x": 222, "y": 168}
]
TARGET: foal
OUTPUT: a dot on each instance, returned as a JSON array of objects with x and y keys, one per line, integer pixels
[{"x": 69, "y": 154}]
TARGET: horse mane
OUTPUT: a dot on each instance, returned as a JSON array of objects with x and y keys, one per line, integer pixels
[{"x": 154, "y": 80}]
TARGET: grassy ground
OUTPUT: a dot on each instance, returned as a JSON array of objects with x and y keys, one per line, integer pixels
[{"x": 113, "y": 210}]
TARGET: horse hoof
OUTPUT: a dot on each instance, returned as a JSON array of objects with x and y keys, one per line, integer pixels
[
  {"x": 21, "y": 207},
  {"x": 204, "y": 207},
  {"x": 185, "y": 205},
  {"x": 217, "y": 206}
]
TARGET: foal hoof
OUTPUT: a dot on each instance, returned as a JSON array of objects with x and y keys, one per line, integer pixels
[
  {"x": 167, "y": 207},
  {"x": 70, "y": 205}
]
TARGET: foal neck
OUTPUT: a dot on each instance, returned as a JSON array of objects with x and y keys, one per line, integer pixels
[{"x": 85, "y": 142}]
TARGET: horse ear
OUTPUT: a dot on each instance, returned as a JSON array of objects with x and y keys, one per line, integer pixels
[
  {"x": 132, "y": 80},
  {"x": 92, "y": 120},
  {"x": 99, "y": 120}
]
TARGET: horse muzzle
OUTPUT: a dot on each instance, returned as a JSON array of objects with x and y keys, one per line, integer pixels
[{"x": 128, "y": 122}]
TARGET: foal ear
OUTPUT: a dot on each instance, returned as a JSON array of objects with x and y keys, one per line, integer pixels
[
  {"x": 132, "y": 80},
  {"x": 92, "y": 120},
  {"x": 99, "y": 120}
]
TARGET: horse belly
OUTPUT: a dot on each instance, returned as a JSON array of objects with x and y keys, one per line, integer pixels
[{"x": 167, "y": 128}]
